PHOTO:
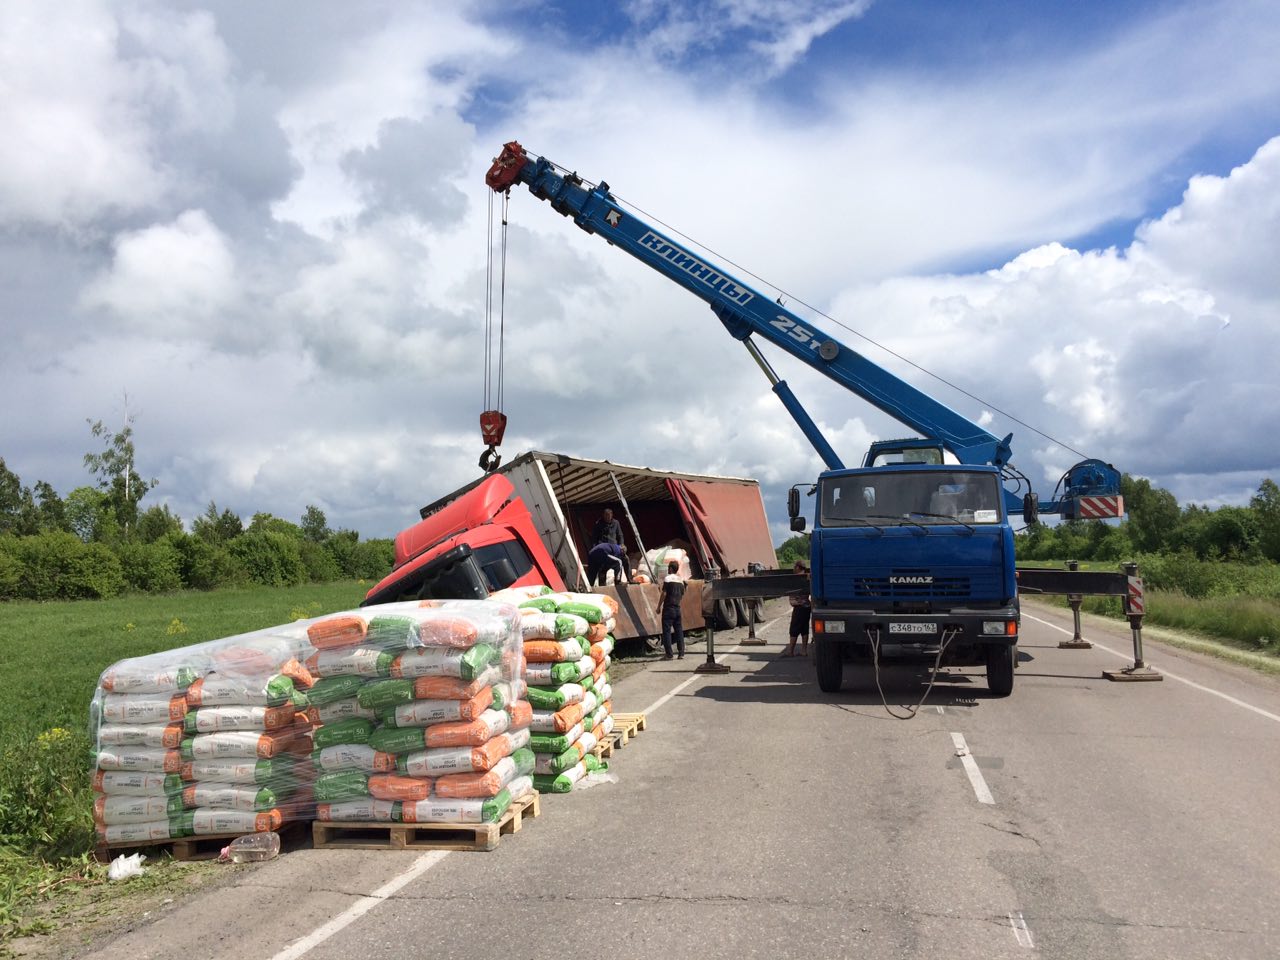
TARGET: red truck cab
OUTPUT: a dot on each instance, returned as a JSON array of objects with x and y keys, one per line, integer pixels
[{"x": 485, "y": 539}]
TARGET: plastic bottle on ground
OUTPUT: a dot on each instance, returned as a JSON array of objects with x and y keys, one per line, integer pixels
[{"x": 254, "y": 847}]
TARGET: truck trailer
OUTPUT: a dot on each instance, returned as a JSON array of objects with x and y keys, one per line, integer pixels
[{"x": 530, "y": 522}]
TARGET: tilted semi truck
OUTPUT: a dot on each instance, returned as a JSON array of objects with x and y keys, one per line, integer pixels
[{"x": 530, "y": 522}]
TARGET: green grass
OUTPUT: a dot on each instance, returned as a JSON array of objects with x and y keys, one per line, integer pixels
[{"x": 51, "y": 655}]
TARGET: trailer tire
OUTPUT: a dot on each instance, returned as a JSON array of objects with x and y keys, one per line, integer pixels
[
  {"x": 744, "y": 611},
  {"x": 1001, "y": 660},
  {"x": 726, "y": 614},
  {"x": 829, "y": 661},
  {"x": 757, "y": 610}
]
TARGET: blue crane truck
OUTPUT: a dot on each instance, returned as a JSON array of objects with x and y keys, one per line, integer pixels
[{"x": 912, "y": 553}]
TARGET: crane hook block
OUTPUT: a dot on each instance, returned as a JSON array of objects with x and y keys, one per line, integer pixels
[
  {"x": 493, "y": 423},
  {"x": 506, "y": 167}
]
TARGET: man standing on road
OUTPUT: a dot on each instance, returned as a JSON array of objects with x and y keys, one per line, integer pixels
[{"x": 669, "y": 601}]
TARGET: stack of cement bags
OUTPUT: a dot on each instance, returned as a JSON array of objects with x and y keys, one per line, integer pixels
[{"x": 421, "y": 712}]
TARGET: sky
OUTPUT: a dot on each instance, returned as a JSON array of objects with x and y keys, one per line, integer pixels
[{"x": 261, "y": 231}]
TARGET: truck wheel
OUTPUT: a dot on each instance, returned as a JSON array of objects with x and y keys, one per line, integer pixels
[
  {"x": 1000, "y": 663},
  {"x": 830, "y": 663},
  {"x": 744, "y": 611},
  {"x": 757, "y": 610},
  {"x": 726, "y": 614}
]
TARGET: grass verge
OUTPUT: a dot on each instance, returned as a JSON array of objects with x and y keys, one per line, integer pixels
[{"x": 51, "y": 655}]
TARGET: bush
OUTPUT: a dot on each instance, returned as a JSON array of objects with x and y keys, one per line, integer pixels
[
  {"x": 10, "y": 568},
  {"x": 204, "y": 565},
  {"x": 271, "y": 559},
  {"x": 372, "y": 559},
  {"x": 151, "y": 567},
  {"x": 59, "y": 566},
  {"x": 45, "y": 803},
  {"x": 320, "y": 564}
]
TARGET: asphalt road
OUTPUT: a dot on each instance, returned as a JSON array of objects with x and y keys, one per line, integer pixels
[{"x": 757, "y": 817}]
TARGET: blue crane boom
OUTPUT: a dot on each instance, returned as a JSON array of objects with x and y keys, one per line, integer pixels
[{"x": 745, "y": 312}]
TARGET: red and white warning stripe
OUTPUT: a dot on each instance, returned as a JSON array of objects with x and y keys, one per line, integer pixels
[
  {"x": 1135, "y": 603},
  {"x": 1100, "y": 508}
]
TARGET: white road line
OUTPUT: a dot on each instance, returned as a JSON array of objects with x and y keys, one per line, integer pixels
[
  {"x": 680, "y": 686},
  {"x": 1021, "y": 932},
  {"x": 971, "y": 768},
  {"x": 362, "y": 906},
  {"x": 1172, "y": 676}
]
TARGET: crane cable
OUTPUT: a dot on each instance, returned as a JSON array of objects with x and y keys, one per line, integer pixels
[
  {"x": 838, "y": 323},
  {"x": 492, "y": 420}
]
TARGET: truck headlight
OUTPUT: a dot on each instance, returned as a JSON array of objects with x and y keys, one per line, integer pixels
[{"x": 997, "y": 628}]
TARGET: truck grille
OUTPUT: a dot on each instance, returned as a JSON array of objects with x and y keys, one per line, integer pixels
[{"x": 917, "y": 584}]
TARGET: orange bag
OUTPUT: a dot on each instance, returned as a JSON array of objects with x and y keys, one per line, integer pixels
[
  {"x": 449, "y": 688},
  {"x": 388, "y": 786},
  {"x": 467, "y": 733},
  {"x": 345, "y": 631},
  {"x": 521, "y": 713},
  {"x": 597, "y": 632},
  {"x": 445, "y": 631},
  {"x": 465, "y": 786}
]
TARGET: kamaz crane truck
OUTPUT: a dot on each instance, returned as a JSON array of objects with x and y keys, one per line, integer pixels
[{"x": 912, "y": 556}]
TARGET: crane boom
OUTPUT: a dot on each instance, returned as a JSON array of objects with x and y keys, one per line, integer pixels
[{"x": 747, "y": 313}]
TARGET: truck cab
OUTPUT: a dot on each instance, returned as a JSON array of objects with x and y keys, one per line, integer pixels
[{"x": 914, "y": 560}]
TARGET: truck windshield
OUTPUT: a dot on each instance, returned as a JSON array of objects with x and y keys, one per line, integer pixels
[{"x": 926, "y": 497}]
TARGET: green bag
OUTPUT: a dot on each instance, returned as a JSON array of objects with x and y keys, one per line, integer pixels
[
  {"x": 389, "y": 631},
  {"x": 351, "y": 730},
  {"x": 399, "y": 739},
  {"x": 542, "y": 604},
  {"x": 385, "y": 693},
  {"x": 342, "y": 785},
  {"x": 331, "y": 689},
  {"x": 587, "y": 611}
]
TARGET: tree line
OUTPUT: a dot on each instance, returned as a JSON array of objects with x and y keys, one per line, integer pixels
[{"x": 98, "y": 541}]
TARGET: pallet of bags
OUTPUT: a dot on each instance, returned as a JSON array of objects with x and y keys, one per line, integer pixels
[
  {"x": 204, "y": 741},
  {"x": 429, "y": 726},
  {"x": 567, "y": 640}
]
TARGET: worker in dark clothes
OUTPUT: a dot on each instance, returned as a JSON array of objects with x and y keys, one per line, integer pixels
[
  {"x": 604, "y": 557},
  {"x": 607, "y": 530},
  {"x": 669, "y": 601}
]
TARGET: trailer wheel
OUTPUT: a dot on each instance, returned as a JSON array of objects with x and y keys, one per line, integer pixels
[
  {"x": 744, "y": 611},
  {"x": 757, "y": 610},
  {"x": 726, "y": 614},
  {"x": 1001, "y": 659},
  {"x": 828, "y": 659}
]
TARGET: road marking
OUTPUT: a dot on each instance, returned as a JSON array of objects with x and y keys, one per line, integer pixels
[
  {"x": 684, "y": 683},
  {"x": 1172, "y": 676},
  {"x": 362, "y": 906},
  {"x": 420, "y": 866},
  {"x": 1021, "y": 932},
  {"x": 980, "y": 788}
]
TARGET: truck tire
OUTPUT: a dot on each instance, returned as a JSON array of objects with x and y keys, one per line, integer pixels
[
  {"x": 830, "y": 664},
  {"x": 726, "y": 614},
  {"x": 1000, "y": 663},
  {"x": 757, "y": 610},
  {"x": 744, "y": 611}
]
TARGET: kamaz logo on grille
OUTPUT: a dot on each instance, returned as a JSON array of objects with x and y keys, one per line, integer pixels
[
  {"x": 684, "y": 260},
  {"x": 907, "y": 580}
]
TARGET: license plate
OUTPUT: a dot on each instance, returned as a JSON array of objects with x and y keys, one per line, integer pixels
[{"x": 913, "y": 628}]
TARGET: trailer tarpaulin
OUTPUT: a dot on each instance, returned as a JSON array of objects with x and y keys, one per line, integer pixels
[{"x": 735, "y": 537}]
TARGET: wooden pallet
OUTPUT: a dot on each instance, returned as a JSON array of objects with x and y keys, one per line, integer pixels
[
  {"x": 190, "y": 848},
  {"x": 626, "y": 726},
  {"x": 604, "y": 749},
  {"x": 367, "y": 835}
]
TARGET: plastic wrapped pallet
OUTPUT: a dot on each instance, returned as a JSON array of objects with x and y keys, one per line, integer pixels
[
  {"x": 208, "y": 739},
  {"x": 437, "y": 728}
]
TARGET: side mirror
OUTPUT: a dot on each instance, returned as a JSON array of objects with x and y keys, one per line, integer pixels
[
  {"x": 1030, "y": 510},
  {"x": 793, "y": 504},
  {"x": 797, "y": 524}
]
